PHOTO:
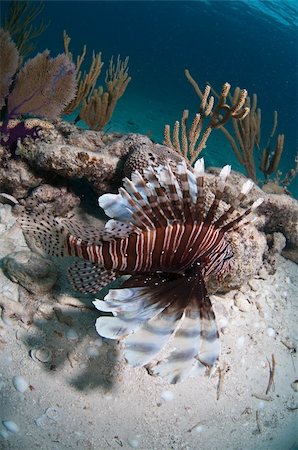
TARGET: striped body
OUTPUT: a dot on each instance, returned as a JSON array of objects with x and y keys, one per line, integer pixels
[{"x": 173, "y": 248}]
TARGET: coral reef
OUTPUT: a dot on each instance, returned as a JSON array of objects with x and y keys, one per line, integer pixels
[
  {"x": 57, "y": 200},
  {"x": 47, "y": 88},
  {"x": 87, "y": 82}
]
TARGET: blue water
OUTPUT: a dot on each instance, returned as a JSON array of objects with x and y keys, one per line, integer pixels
[{"x": 252, "y": 44}]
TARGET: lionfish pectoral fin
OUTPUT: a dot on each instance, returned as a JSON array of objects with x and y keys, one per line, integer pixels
[
  {"x": 195, "y": 344},
  {"x": 145, "y": 344},
  {"x": 44, "y": 234},
  {"x": 148, "y": 310},
  {"x": 87, "y": 277},
  {"x": 142, "y": 316},
  {"x": 51, "y": 235}
]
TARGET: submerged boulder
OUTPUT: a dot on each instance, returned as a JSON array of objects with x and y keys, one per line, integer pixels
[{"x": 35, "y": 273}]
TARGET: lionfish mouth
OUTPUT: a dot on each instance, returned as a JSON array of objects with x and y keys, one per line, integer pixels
[{"x": 163, "y": 235}]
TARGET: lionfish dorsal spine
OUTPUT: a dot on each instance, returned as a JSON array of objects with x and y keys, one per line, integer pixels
[
  {"x": 158, "y": 199},
  {"x": 138, "y": 214},
  {"x": 223, "y": 175},
  {"x": 186, "y": 183},
  {"x": 246, "y": 188},
  {"x": 234, "y": 223},
  {"x": 199, "y": 171},
  {"x": 170, "y": 191}
]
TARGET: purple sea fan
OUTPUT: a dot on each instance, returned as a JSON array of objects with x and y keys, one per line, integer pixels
[
  {"x": 43, "y": 87},
  {"x": 164, "y": 237}
]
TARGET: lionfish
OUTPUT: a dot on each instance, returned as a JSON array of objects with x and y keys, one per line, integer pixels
[{"x": 163, "y": 236}]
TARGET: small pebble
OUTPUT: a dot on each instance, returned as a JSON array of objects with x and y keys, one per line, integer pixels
[
  {"x": 242, "y": 302},
  {"x": 225, "y": 330},
  {"x": 199, "y": 429},
  {"x": 271, "y": 332},
  {"x": 112, "y": 355},
  {"x": 53, "y": 413},
  {"x": 20, "y": 384},
  {"x": 223, "y": 322},
  {"x": 71, "y": 334},
  {"x": 42, "y": 354},
  {"x": 6, "y": 320},
  {"x": 167, "y": 396},
  {"x": 261, "y": 405},
  {"x": 133, "y": 442},
  {"x": 241, "y": 341},
  {"x": 294, "y": 385},
  {"x": 98, "y": 342},
  {"x": 43, "y": 421},
  {"x": 254, "y": 285},
  {"x": 4, "y": 434},
  {"x": 10, "y": 426},
  {"x": 10, "y": 291},
  {"x": 292, "y": 404},
  {"x": 92, "y": 352}
]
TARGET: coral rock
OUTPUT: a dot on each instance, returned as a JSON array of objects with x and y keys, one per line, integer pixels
[
  {"x": 279, "y": 212},
  {"x": 151, "y": 155},
  {"x": 16, "y": 177},
  {"x": 102, "y": 168},
  {"x": 57, "y": 200},
  {"x": 34, "y": 273},
  {"x": 248, "y": 245}
]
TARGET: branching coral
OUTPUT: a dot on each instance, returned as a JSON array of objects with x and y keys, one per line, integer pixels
[
  {"x": 218, "y": 115},
  {"x": 86, "y": 82},
  {"x": 19, "y": 24},
  {"x": 246, "y": 138},
  {"x": 98, "y": 109},
  {"x": 97, "y": 105},
  {"x": 9, "y": 64}
]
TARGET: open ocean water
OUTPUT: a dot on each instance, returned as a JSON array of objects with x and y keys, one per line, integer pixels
[{"x": 251, "y": 44}]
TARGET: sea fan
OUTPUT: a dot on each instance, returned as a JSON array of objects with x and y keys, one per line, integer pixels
[{"x": 43, "y": 87}]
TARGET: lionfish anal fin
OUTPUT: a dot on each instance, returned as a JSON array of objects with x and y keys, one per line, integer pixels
[{"x": 89, "y": 278}]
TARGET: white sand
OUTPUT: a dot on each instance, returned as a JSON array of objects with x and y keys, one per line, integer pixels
[{"x": 90, "y": 399}]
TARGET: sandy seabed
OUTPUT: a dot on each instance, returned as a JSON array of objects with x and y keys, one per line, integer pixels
[{"x": 63, "y": 387}]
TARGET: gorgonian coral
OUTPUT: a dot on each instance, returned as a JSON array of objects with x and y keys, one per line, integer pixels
[{"x": 41, "y": 88}]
